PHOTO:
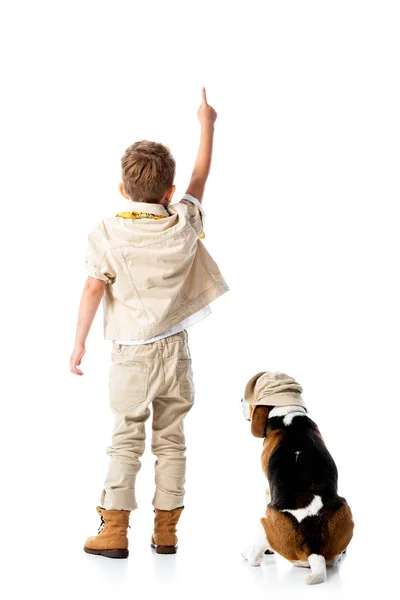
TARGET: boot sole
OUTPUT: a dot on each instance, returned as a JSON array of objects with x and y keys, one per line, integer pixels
[
  {"x": 108, "y": 553},
  {"x": 164, "y": 549}
]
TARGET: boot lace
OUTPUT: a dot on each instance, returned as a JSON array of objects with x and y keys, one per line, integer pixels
[{"x": 101, "y": 525}]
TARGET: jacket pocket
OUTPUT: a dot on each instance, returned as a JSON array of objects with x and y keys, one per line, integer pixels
[
  {"x": 129, "y": 383},
  {"x": 185, "y": 378}
]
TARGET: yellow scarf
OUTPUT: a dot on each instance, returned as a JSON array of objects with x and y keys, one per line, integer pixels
[
  {"x": 144, "y": 215},
  {"x": 139, "y": 215}
]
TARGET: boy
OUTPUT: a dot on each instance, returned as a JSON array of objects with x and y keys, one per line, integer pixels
[{"x": 156, "y": 279}]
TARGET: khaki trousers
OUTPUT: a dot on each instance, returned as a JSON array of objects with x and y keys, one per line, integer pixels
[{"x": 160, "y": 374}]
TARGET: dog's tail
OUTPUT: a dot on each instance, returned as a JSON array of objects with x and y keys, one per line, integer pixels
[{"x": 318, "y": 569}]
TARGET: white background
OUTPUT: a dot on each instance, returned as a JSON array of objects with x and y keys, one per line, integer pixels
[{"x": 302, "y": 220}]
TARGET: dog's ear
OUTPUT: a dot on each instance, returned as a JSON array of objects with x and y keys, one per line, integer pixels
[{"x": 259, "y": 420}]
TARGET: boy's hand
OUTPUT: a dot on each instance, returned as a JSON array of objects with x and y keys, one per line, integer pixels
[
  {"x": 206, "y": 114},
  {"x": 76, "y": 359}
]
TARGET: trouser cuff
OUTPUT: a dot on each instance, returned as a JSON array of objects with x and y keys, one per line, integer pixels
[
  {"x": 167, "y": 501},
  {"x": 118, "y": 499}
]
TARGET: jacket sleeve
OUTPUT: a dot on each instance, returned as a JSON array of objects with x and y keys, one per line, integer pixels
[
  {"x": 196, "y": 213},
  {"x": 98, "y": 263}
]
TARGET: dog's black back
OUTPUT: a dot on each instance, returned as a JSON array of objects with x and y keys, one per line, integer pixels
[
  {"x": 300, "y": 465},
  {"x": 300, "y": 468}
]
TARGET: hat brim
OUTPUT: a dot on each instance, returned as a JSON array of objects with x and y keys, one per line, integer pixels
[{"x": 249, "y": 390}]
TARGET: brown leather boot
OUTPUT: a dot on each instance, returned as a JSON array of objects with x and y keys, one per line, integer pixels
[
  {"x": 164, "y": 539},
  {"x": 111, "y": 540}
]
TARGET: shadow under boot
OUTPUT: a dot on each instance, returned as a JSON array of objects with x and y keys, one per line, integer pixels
[{"x": 164, "y": 539}]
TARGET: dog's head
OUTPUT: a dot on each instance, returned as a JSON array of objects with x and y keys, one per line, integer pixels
[{"x": 264, "y": 391}]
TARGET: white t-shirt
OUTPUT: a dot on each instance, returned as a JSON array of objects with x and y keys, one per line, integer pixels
[{"x": 198, "y": 316}]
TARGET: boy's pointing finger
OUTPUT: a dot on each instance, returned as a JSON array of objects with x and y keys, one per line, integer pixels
[{"x": 203, "y": 95}]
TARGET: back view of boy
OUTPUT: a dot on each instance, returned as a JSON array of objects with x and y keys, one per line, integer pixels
[{"x": 156, "y": 279}]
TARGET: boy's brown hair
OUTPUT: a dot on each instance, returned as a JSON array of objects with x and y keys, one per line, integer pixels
[{"x": 148, "y": 170}]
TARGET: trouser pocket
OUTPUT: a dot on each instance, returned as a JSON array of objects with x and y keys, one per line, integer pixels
[
  {"x": 129, "y": 382},
  {"x": 185, "y": 378}
]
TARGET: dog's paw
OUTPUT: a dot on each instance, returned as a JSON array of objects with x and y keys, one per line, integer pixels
[
  {"x": 315, "y": 578},
  {"x": 253, "y": 555}
]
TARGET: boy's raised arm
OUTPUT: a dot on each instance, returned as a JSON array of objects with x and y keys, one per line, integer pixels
[{"x": 207, "y": 116}]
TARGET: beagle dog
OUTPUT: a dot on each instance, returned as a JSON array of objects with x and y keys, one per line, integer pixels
[{"x": 306, "y": 521}]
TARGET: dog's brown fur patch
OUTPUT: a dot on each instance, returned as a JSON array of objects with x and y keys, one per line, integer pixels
[
  {"x": 282, "y": 535},
  {"x": 271, "y": 442},
  {"x": 340, "y": 532}
]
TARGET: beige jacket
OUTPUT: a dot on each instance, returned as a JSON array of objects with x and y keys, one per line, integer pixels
[{"x": 158, "y": 272}]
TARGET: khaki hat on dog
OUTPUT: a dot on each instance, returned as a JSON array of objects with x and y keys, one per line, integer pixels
[{"x": 273, "y": 389}]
